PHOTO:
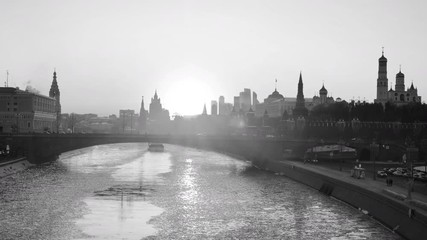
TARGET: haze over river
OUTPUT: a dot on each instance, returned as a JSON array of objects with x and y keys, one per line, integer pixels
[{"x": 121, "y": 191}]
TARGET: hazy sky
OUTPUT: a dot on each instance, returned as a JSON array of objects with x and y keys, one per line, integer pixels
[{"x": 110, "y": 53}]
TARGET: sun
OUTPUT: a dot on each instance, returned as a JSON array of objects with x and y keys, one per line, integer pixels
[{"x": 187, "y": 94}]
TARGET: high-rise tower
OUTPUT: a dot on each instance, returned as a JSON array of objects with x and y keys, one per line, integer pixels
[
  {"x": 382, "y": 81},
  {"x": 54, "y": 93}
]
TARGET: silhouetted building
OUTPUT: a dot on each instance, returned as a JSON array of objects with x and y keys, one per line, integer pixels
[
  {"x": 398, "y": 96},
  {"x": 221, "y": 105},
  {"x": 236, "y": 106},
  {"x": 273, "y": 104},
  {"x": 127, "y": 120},
  {"x": 157, "y": 113},
  {"x": 300, "y": 109},
  {"x": 54, "y": 93},
  {"x": 23, "y": 111},
  {"x": 322, "y": 98},
  {"x": 204, "y": 113},
  {"x": 143, "y": 114},
  {"x": 254, "y": 100},
  {"x": 214, "y": 108},
  {"x": 245, "y": 99}
]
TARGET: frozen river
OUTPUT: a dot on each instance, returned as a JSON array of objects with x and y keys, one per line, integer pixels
[{"x": 121, "y": 191}]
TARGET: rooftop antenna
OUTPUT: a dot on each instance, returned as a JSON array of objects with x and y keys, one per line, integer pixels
[{"x": 7, "y": 78}]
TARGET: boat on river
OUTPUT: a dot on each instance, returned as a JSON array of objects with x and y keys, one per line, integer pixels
[
  {"x": 331, "y": 153},
  {"x": 156, "y": 147}
]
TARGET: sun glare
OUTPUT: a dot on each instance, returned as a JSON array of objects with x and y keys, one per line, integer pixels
[{"x": 187, "y": 95}]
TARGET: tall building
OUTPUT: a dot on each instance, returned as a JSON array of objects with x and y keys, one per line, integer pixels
[
  {"x": 245, "y": 99},
  {"x": 214, "y": 108},
  {"x": 300, "y": 109},
  {"x": 54, "y": 93},
  {"x": 236, "y": 106},
  {"x": 399, "y": 95},
  {"x": 221, "y": 105},
  {"x": 157, "y": 113},
  {"x": 254, "y": 100}
]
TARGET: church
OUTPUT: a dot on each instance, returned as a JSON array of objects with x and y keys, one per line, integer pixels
[{"x": 399, "y": 95}]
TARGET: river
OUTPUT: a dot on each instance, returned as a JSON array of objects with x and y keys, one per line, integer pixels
[{"x": 121, "y": 191}]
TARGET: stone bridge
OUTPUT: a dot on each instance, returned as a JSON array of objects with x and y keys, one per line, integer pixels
[{"x": 40, "y": 148}]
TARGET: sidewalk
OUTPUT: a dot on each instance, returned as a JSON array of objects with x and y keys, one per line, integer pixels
[{"x": 377, "y": 186}]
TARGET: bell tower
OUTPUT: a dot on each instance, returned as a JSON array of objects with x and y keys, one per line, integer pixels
[{"x": 382, "y": 81}]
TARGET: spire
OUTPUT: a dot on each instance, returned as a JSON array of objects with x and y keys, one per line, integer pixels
[
  {"x": 155, "y": 95},
  {"x": 275, "y": 86},
  {"x": 300, "y": 77},
  {"x": 400, "y": 67},
  {"x": 204, "y": 110},
  {"x": 383, "y": 51}
]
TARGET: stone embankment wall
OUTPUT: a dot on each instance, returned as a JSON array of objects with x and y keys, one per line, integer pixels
[{"x": 13, "y": 166}]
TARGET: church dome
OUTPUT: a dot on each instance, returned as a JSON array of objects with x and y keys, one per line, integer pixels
[
  {"x": 323, "y": 90},
  {"x": 382, "y": 58},
  {"x": 400, "y": 74}
]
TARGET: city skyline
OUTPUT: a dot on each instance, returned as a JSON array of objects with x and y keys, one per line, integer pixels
[{"x": 111, "y": 54}]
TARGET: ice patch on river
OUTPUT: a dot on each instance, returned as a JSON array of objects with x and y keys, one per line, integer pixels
[{"x": 118, "y": 219}]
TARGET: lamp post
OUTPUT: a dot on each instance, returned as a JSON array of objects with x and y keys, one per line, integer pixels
[{"x": 374, "y": 149}]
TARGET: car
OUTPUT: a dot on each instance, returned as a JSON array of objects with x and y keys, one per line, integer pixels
[{"x": 381, "y": 174}]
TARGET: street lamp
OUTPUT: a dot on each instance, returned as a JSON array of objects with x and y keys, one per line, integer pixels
[{"x": 374, "y": 150}]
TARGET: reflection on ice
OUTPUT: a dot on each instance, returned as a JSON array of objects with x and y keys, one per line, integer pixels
[
  {"x": 116, "y": 219},
  {"x": 145, "y": 169}
]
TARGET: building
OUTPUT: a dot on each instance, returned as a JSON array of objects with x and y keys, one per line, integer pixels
[
  {"x": 323, "y": 97},
  {"x": 214, "y": 108},
  {"x": 245, "y": 100},
  {"x": 157, "y": 113},
  {"x": 236, "y": 105},
  {"x": 399, "y": 95},
  {"x": 24, "y": 111},
  {"x": 127, "y": 120},
  {"x": 254, "y": 100},
  {"x": 221, "y": 105},
  {"x": 273, "y": 105},
  {"x": 143, "y": 115}
]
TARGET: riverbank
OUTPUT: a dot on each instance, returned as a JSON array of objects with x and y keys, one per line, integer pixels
[
  {"x": 389, "y": 205},
  {"x": 14, "y": 165}
]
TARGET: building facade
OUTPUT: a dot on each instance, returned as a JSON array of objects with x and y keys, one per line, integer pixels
[
  {"x": 23, "y": 111},
  {"x": 399, "y": 95}
]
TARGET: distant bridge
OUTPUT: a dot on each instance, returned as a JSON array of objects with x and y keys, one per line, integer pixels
[{"x": 40, "y": 148}]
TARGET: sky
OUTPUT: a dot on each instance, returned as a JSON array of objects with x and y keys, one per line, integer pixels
[{"x": 108, "y": 54}]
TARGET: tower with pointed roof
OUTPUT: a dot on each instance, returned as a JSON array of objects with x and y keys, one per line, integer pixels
[
  {"x": 205, "y": 113},
  {"x": 323, "y": 93},
  {"x": 54, "y": 93},
  {"x": 142, "y": 117},
  {"x": 382, "y": 81},
  {"x": 300, "y": 109}
]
